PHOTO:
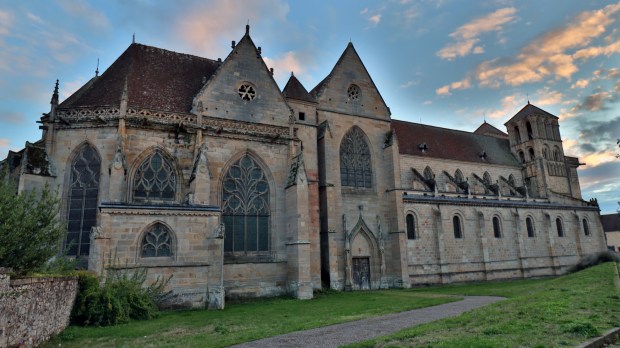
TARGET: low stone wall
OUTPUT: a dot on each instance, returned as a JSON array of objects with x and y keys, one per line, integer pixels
[{"x": 34, "y": 309}]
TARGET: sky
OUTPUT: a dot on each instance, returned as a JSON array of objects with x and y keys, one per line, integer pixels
[{"x": 447, "y": 63}]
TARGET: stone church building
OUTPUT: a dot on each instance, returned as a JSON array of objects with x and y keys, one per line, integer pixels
[{"x": 205, "y": 170}]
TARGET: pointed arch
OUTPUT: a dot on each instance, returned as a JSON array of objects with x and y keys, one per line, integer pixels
[
  {"x": 82, "y": 200},
  {"x": 155, "y": 177},
  {"x": 246, "y": 207},
  {"x": 157, "y": 240},
  {"x": 355, "y": 159},
  {"x": 458, "y": 176}
]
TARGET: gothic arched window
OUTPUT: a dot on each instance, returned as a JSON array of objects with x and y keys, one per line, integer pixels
[
  {"x": 157, "y": 242},
  {"x": 355, "y": 166},
  {"x": 410, "y": 227},
  {"x": 155, "y": 179},
  {"x": 82, "y": 203},
  {"x": 245, "y": 207}
]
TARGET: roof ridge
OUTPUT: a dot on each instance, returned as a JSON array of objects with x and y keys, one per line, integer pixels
[
  {"x": 449, "y": 129},
  {"x": 172, "y": 52}
]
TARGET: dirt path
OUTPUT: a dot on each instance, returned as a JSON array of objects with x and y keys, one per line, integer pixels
[{"x": 355, "y": 331}]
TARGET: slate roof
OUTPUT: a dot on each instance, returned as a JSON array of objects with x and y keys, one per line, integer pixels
[
  {"x": 295, "y": 90},
  {"x": 452, "y": 144},
  {"x": 610, "y": 222},
  {"x": 156, "y": 79},
  {"x": 529, "y": 109},
  {"x": 487, "y": 129}
]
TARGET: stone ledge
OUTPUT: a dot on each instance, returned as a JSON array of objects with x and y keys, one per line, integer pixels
[{"x": 609, "y": 337}]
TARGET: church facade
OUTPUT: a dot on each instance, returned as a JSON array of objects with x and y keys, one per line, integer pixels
[{"x": 205, "y": 170}]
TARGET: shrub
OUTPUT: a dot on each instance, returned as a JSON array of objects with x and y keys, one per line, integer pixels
[
  {"x": 121, "y": 297},
  {"x": 595, "y": 259},
  {"x": 30, "y": 231}
]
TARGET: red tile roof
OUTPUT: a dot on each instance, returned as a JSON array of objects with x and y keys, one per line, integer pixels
[
  {"x": 156, "y": 79},
  {"x": 487, "y": 129},
  {"x": 610, "y": 222},
  {"x": 452, "y": 144}
]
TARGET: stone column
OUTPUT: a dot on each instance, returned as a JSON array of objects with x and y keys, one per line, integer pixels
[{"x": 483, "y": 243}]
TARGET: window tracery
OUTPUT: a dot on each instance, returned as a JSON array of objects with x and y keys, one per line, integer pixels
[
  {"x": 246, "y": 92},
  {"x": 155, "y": 179},
  {"x": 355, "y": 166},
  {"x": 353, "y": 92},
  {"x": 157, "y": 242},
  {"x": 245, "y": 207},
  {"x": 82, "y": 204}
]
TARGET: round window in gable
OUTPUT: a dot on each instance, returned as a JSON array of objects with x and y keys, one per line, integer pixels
[
  {"x": 246, "y": 91},
  {"x": 353, "y": 92}
]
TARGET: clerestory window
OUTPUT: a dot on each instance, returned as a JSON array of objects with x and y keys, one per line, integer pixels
[{"x": 155, "y": 179}]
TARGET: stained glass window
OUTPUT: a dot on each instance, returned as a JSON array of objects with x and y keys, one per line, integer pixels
[
  {"x": 245, "y": 207},
  {"x": 82, "y": 204},
  {"x": 157, "y": 242},
  {"x": 355, "y": 166},
  {"x": 155, "y": 179}
]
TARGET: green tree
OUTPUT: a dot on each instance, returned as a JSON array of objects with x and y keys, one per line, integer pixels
[{"x": 30, "y": 229}]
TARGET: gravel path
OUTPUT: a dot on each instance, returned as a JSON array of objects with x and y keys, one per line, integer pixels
[{"x": 355, "y": 331}]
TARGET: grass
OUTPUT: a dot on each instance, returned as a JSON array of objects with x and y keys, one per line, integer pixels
[
  {"x": 564, "y": 311},
  {"x": 249, "y": 321}
]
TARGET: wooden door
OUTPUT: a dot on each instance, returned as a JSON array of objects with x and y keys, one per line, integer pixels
[{"x": 361, "y": 273}]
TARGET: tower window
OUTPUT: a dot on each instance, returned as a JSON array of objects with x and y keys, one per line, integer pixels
[{"x": 302, "y": 116}]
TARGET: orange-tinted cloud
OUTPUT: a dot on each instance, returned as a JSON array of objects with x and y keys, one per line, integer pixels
[{"x": 466, "y": 36}]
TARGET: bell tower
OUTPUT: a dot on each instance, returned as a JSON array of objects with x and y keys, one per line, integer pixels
[{"x": 535, "y": 140}]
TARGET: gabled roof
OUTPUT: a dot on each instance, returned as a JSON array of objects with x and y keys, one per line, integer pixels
[
  {"x": 488, "y": 129},
  {"x": 610, "y": 222},
  {"x": 527, "y": 110},
  {"x": 452, "y": 144},
  {"x": 318, "y": 89},
  {"x": 295, "y": 90},
  {"x": 156, "y": 78}
]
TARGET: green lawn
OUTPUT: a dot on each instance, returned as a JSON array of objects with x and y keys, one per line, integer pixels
[
  {"x": 564, "y": 311},
  {"x": 552, "y": 312},
  {"x": 249, "y": 321}
]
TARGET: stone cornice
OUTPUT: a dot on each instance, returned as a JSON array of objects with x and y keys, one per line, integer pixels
[
  {"x": 492, "y": 203},
  {"x": 166, "y": 210}
]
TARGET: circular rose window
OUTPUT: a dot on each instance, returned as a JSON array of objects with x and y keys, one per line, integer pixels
[
  {"x": 353, "y": 92},
  {"x": 246, "y": 91}
]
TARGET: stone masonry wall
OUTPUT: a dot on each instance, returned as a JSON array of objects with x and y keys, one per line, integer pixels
[{"x": 34, "y": 309}]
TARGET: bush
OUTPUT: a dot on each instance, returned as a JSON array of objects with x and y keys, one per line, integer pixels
[
  {"x": 121, "y": 297},
  {"x": 595, "y": 259},
  {"x": 30, "y": 231}
]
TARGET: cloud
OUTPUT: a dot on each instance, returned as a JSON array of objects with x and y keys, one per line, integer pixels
[
  {"x": 545, "y": 96},
  {"x": 364, "y": 11},
  {"x": 375, "y": 19},
  {"x": 409, "y": 84},
  {"x": 207, "y": 27},
  {"x": 4, "y": 147},
  {"x": 466, "y": 36},
  {"x": 12, "y": 117},
  {"x": 68, "y": 88},
  {"x": 6, "y": 20},
  {"x": 462, "y": 84},
  {"x": 582, "y": 83},
  {"x": 31, "y": 16},
  {"x": 509, "y": 106},
  {"x": 596, "y": 142},
  {"x": 554, "y": 54},
  {"x": 598, "y": 101},
  {"x": 596, "y": 182},
  {"x": 285, "y": 64},
  {"x": 84, "y": 11}
]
